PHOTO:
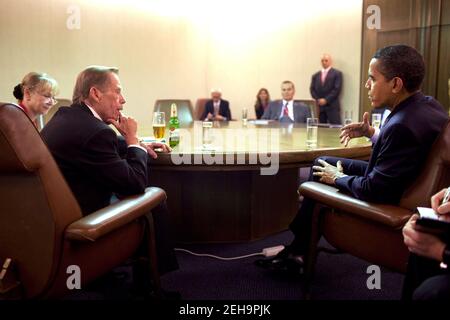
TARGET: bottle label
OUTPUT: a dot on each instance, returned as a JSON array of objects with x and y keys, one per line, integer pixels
[{"x": 174, "y": 133}]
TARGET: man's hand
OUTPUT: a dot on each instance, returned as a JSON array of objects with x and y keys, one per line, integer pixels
[
  {"x": 437, "y": 205},
  {"x": 209, "y": 116},
  {"x": 127, "y": 127},
  {"x": 421, "y": 243},
  {"x": 322, "y": 102},
  {"x": 219, "y": 117},
  {"x": 154, "y": 147},
  {"x": 356, "y": 130},
  {"x": 328, "y": 173}
]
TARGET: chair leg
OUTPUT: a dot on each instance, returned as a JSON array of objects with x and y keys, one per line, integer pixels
[
  {"x": 150, "y": 234},
  {"x": 313, "y": 251}
]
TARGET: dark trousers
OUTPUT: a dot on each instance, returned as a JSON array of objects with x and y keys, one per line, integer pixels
[
  {"x": 302, "y": 223},
  {"x": 425, "y": 280},
  {"x": 330, "y": 114},
  {"x": 165, "y": 253}
]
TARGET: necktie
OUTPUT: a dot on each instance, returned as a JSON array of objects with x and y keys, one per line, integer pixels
[
  {"x": 285, "y": 110},
  {"x": 323, "y": 76}
]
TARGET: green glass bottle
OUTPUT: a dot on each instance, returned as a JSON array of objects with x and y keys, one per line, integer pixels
[{"x": 174, "y": 127}]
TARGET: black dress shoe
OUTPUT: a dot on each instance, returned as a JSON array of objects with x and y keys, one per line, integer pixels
[{"x": 285, "y": 261}]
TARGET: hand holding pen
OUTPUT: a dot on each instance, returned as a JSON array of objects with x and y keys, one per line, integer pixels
[{"x": 440, "y": 202}]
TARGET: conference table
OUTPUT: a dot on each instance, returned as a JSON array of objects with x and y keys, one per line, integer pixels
[{"x": 242, "y": 186}]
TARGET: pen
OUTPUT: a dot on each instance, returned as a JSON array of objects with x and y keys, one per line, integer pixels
[{"x": 446, "y": 196}]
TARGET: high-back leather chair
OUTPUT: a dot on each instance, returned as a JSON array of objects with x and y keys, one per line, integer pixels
[
  {"x": 44, "y": 119},
  {"x": 312, "y": 106},
  {"x": 200, "y": 107},
  {"x": 42, "y": 229},
  {"x": 184, "y": 110},
  {"x": 373, "y": 231}
]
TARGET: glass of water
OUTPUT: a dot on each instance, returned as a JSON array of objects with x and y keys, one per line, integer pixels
[
  {"x": 244, "y": 116},
  {"x": 312, "y": 126},
  {"x": 376, "y": 120},
  {"x": 207, "y": 135},
  {"x": 348, "y": 117}
]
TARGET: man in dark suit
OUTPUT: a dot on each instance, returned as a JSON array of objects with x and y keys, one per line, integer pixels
[
  {"x": 217, "y": 109},
  {"x": 395, "y": 77},
  {"x": 87, "y": 151},
  {"x": 287, "y": 110},
  {"x": 325, "y": 88}
]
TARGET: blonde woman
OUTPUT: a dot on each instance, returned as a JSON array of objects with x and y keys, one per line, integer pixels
[{"x": 36, "y": 94}]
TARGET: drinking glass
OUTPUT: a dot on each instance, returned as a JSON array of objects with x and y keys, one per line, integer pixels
[
  {"x": 348, "y": 117},
  {"x": 312, "y": 126},
  {"x": 376, "y": 120},
  {"x": 244, "y": 116},
  {"x": 207, "y": 137},
  {"x": 159, "y": 125}
]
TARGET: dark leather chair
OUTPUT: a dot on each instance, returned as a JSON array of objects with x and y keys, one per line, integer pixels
[
  {"x": 312, "y": 106},
  {"x": 44, "y": 119},
  {"x": 200, "y": 107},
  {"x": 184, "y": 109},
  {"x": 42, "y": 229},
  {"x": 373, "y": 231}
]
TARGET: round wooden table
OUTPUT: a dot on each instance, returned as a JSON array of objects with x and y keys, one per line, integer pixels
[{"x": 244, "y": 186}]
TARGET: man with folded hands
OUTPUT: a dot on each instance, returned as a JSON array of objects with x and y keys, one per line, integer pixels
[{"x": 95, "y": 163}]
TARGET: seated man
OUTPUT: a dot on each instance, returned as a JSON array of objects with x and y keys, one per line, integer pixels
[
  {"x": 395, "y": 77},
  {"x": 426, "y": 277},
  {"x": 216, "y": 109},
  {"x": 88, "y": 153},
  {"x": 287, "y": 110}
]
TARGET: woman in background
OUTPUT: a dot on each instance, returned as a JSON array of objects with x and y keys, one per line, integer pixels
[
  {"x": 36, "y": 94},
  {"x": 262, "y": 101}
]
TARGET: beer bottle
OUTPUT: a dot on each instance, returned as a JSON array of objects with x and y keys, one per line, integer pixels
[{"x": 174, "y": 125}]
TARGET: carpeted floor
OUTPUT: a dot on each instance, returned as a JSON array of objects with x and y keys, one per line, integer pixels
[{"x": 338, "y": 277}]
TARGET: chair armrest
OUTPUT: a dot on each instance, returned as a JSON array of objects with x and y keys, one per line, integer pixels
[
  {"x": 105, "y": 220},
  {"x": 391, "y": 215}
]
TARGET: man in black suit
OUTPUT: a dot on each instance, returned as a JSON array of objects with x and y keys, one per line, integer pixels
[
  {"x": 395, "y": 78},
  {"x": 216, "y": 109},
  {"x": 325, "y": 88},
  {"x": 88, "y": 153}
]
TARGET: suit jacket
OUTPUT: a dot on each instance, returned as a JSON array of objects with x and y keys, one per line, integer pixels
[
  {"x": 330, "y": 90},
  {"x": 273, "y": 111},
  {"x": 400, "y": 150},
  {"x": 87, "y": 151},
  {"x": 224, "y": 109}
]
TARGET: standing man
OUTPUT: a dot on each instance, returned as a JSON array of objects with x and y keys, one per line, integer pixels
[
  {"x": 325, "y": 88},
  {"x": 395, "y": 78},
  {"x": 287, "y": 110},
  {"x": 87, "y": 152},
  {"x": 217, "y": 109}
]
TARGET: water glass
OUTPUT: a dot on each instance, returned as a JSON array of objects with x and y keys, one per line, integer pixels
[
  {"x": 244, "y": 116},
  {"x": 207, "y": 136},
  {"x": 376, "y": 120},
  {"x": 348, "y": 117},
  {"x": 312, "y": 127}
]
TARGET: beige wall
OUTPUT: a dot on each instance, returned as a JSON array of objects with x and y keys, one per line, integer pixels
[{"x": 182, "y": 49}]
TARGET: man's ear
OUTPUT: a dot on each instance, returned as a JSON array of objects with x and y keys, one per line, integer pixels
[
  {"x": 398, "y": 85},
  {"x": 95, "y": 94}
]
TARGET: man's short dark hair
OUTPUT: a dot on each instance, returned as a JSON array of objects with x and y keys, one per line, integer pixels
[{"x": 403, "y": 62}]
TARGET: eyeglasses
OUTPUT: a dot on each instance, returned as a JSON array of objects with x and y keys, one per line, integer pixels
[{"x": 52, "y": 98}]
